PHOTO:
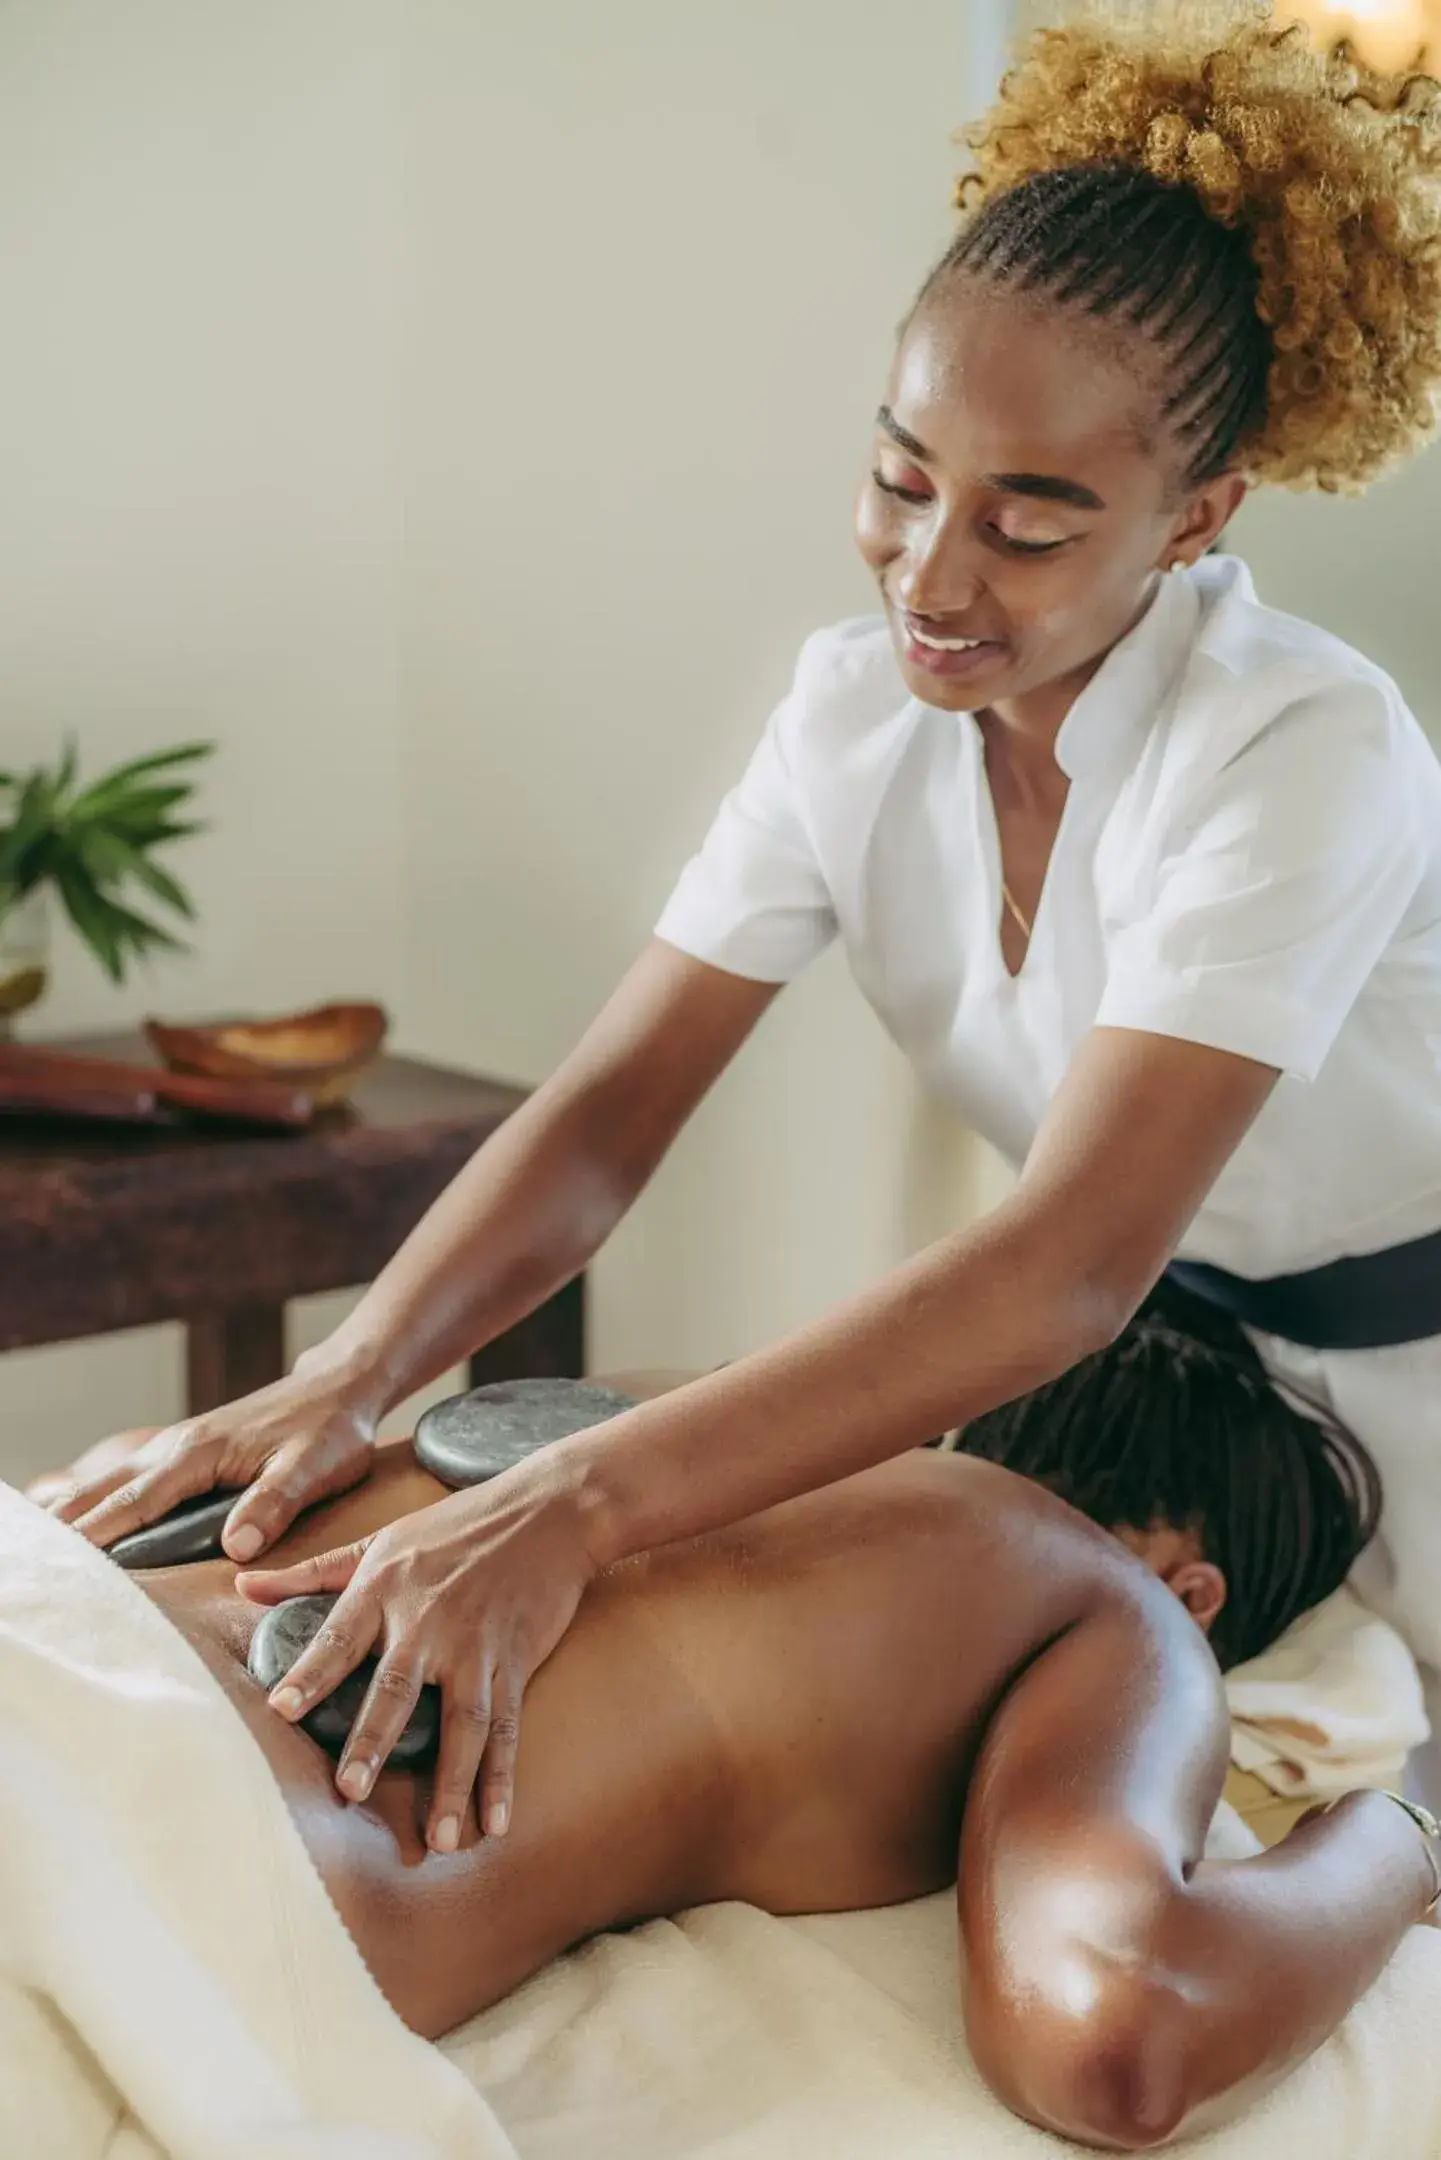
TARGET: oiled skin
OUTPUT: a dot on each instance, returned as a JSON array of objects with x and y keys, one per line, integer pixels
[
  {"x": 786, "y": 1712},
  {"x": 813, "y": 1710}
]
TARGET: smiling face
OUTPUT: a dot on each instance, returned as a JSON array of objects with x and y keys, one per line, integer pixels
[{"x": 1022, "y": 496}]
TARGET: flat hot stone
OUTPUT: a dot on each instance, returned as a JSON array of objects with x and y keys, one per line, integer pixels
[
  {"x": 189, "y": 1532},
  {"x": 284, "y": 1631},
  {"x": 469, "y": 1438}
]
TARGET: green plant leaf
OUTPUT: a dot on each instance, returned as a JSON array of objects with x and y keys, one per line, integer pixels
[
  {"x": 103, "y": 854},
  {"x": 12, "y": 856},
  {"x": 91, "y": 918},
  {"x": 31, "y": 825},
  {"x": 48, "y": 792},
  {"x": 64, "y": 779},
  {"x": 168, "y": 830},
  {"x": 113, "y": 861},
  {"x": 110, "y": 930},
  {"x": 95, "y": 844},
  {"x": 121, "y": 780},
  {"x": 139, "y": 930},
  {"x": 41, "y": 858},
  {"x": 137, "y": 807},
  {"x": 163, "y": 886}
]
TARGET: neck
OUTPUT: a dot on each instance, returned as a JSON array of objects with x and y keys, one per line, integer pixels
[{"x": 1022, "y": 730}]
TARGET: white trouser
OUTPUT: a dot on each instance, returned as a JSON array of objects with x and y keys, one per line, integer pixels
[{"x": 1391, "y": 1400}]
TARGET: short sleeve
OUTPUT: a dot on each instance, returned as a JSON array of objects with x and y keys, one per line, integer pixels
[
  {"x": 754, "y": 900},
  {"x": 1279, "y": 890}
]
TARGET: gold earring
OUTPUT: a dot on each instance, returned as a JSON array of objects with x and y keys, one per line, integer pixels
[{"x": 1178, "y": 564}]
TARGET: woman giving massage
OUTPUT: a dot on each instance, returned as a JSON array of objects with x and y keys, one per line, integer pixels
[
  {"x": 1144, "y": 876},
  {"x": 933, "y": 1658}
]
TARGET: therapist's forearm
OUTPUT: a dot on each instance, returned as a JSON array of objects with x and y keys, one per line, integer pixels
[
  {"x": 971, "y": 1322},
  {"x": 1128, "y": 1150},
  {"x": 522, "y": 1218},
  {"x": 1134, "y": 1139},
  {"x": 529, "y": 1210}
]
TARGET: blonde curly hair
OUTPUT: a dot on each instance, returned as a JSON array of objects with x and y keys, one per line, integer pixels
[{"x": 1309, "y": 336}]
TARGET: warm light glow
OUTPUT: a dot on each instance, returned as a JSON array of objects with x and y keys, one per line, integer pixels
[{"x": 1386, "y": 34}]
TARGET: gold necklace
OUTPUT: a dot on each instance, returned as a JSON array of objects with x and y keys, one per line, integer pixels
[{"x": 1010, "y": 899}]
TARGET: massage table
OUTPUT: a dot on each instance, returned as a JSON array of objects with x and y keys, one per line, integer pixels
[{"x": 174, "y": 1981}]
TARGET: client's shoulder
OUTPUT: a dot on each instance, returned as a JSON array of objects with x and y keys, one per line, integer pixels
[{"x": 1015, "y": 1528}]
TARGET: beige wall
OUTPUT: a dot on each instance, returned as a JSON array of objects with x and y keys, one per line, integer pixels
[
  {"x": 453, "y": 409},
  {"x": 198, "y": 251},
  {"x": 656, "y": 266}
]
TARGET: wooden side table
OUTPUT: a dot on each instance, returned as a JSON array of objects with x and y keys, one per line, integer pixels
[{"x": 105, "y": 1227}]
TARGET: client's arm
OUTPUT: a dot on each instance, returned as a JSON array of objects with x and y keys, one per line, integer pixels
[{"x": 1120, "y": 1990}]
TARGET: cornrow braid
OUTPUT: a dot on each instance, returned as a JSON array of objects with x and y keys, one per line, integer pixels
[
  {"x": 1270, "y": 215},
  {"x": 1177, "y": 1423},
  {"x": 1114, "y": 242}
]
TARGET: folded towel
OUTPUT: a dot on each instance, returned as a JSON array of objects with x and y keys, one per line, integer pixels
[
  {"x": 1335, "y": 1703},
  {"x": 727, "y": 2035},
  {"x": 173, "y": 1978}
]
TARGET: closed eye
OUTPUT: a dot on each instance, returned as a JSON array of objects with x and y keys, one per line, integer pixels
[
  {"x": 1026, "y": 547},
  {"x": 893, "y": 487},
  {"x": 1012, "y": 545}
]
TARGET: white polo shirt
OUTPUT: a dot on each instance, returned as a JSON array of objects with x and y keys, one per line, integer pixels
[{"x": 1249, "y": 857}]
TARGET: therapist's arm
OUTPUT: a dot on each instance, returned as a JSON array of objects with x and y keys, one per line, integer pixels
[
  {"x": 523, "y": 1217},
  {"x": 539, "y": 1199},
  {"x": 1136, "y": 1136},
  {"x": 474, "y": 1593}
]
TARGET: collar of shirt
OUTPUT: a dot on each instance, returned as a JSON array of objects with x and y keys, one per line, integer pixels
[{"x": 1110, "y": 719}]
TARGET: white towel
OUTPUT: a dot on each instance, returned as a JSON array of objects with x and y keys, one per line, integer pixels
[
  {"x": 1336, "y": 1703},
  {"x": 173, "y": 1977},
  {"x": 169, "y": 1959},
  {"x": 727, "y": 2035}
]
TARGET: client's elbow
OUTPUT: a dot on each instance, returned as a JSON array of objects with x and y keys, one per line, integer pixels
[
  {"x": 1124, "y": 2090},
  {"x": 1103, "y": 2061}
]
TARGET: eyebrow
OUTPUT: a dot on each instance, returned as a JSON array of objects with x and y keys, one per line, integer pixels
[
  {"x": 886, "y": 419},
  {"x": 1041, "y": 487},
  {"x": 1045, "y": 487}
]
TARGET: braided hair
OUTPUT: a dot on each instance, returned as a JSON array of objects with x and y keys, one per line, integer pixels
[
  {"x": 1177, "y": 1423},
  {"x": 1267, "y": 217},
  {"x": 1115, "y": 241}
]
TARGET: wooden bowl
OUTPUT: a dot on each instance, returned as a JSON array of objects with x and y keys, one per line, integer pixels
[{"x": 323, "y": 1051}]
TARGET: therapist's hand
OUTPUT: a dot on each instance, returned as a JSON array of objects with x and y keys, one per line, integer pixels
[
  {"x": 297, "y": 1441},
  {"x": 470, "y": 1595}
]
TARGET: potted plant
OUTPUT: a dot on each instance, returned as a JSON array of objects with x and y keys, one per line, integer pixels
[{"x": 91, "y": 845}]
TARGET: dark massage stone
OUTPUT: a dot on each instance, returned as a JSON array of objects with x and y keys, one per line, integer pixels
[
  {"x": 284, "y": 1632},
  {"x": 469, "y": 1438},
  {"x": 189, "y": 1532}
]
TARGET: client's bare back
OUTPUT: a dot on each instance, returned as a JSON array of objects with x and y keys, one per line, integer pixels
[
  {"x": 787, "y": 1712},
  {"x": 810, "y": 1711}
]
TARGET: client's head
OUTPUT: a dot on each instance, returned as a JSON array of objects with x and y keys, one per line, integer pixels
[{"x": 1175, "y": 1438}]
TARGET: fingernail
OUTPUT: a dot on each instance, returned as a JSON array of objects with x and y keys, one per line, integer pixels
[
  {"x": 355, "y": 1779},
  {"x": 286, "y": 1700},
  {"x": 447, "y": 1834},
  {"x": 244, "y": 1543},
  {"x": 497, "y": 1815}
]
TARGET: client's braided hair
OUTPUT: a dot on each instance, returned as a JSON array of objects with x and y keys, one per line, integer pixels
[
  {"x": 1177, "y": 1423},
  {"x": 1268, "y": 218}
]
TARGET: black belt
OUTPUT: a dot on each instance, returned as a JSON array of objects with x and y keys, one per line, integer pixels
[{"x": 1361, "y": 1304}]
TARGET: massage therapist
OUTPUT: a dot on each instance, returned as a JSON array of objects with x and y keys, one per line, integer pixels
[{"x": 1144, "y": 877}]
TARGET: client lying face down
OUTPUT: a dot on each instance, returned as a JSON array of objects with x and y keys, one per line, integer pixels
[{"x": 938, "y": 1663}]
